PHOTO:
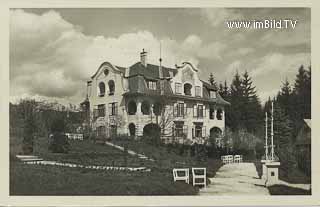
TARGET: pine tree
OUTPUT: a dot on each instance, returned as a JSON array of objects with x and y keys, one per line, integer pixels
[
  {"x": 284, "y": 97},
  {"x": 282, "y": 138},
  {"x": 236, "y": 100},
  {"x": 302, "y": 93},
  {"x": 252, "y": 111},
  {"x": 225, "y": 93},
  {"x": 221, "y": 89}
]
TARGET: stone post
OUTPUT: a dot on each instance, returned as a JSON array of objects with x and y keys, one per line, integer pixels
[{"x": 272, "y": 173}]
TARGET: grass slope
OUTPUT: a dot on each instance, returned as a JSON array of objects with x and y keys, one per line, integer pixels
[{"x": 53, "y": 180}]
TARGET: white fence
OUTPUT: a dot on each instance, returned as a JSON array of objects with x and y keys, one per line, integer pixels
[{"x": 74, "y": 136}]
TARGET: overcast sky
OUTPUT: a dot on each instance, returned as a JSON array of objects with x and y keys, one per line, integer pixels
[{"x": 54, "y": 51}]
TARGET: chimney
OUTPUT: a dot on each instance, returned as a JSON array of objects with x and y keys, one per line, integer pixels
[{"x": 143, "y": 58}]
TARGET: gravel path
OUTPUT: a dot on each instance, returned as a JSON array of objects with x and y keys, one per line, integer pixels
[{"x": 236, "y": 179}]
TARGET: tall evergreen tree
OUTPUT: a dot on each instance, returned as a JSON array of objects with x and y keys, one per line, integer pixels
[
  {"x": 283, "y": 138},
  {"x": 284, "y": 97},
  {"x": 302, "y": 93},
  {"x": 225, "y": 93},
  {"x": 221, "y": 89},
  {"x": 212, "y": 80},
  {"x": 236, "y": 100},
  {"x": 252, "y": 116}
]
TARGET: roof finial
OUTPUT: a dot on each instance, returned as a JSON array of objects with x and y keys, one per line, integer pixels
[{"x": 160, "y": 59}]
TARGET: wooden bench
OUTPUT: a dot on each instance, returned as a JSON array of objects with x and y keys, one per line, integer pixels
[
  {"x": 230, "y": 159},
  {"x": 224, "y": 159},
  {"x": 236, "y": 158},
  {"x": 200, "y": 174},
  {"x": 184, "y": 176}
]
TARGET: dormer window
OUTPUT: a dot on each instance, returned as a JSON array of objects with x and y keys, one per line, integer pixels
[
  {"x": 178, "y": 88},
  {"x": 102, "y": 89},
  {"x": 198, "y": 91},
  {"x": 152, "y": 85},
  {"x": 213, "y": 94},
  {"x": 187, "y": 89}
]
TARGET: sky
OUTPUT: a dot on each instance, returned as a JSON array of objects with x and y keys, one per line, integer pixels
[{"x": 53, "y": 52}]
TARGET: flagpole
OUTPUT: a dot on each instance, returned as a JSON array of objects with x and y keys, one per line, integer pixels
[
  {"x": 266, "y": 145},
  {"x": 272, "y": 147}
]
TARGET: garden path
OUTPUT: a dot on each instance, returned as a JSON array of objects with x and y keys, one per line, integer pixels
[
  {"x": 141, "y": 156},
  {"x": 236, "y": 179}
]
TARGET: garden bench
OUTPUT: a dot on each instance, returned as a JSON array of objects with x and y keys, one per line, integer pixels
[
  {"x": 230, "y": 158},
  {"x": 224, "y": 159},
  {"x": 184, "y": 176},
  {"x": 236, "y": 158},
  {"x": 200, "y": 174}
]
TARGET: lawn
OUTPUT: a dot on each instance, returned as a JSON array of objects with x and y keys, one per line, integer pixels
[
  {"x": 55, "y": 180},
  {"x": 286, "y": 190},
  {"x": 167, "y": 159},
  {"x": 88, "y": 153}
]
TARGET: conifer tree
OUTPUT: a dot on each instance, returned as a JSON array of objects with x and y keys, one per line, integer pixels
[
  {"x": 282, "y": 138},
  {"x": 212, "y": 80},
  {"x": 236, "y": 100},
  {"x": 252, "y": 112}
]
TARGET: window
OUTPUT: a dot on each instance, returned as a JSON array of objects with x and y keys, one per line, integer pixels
[
  {"x": 101, "y": 110},
  {"x": 132, "y": 108},
  {"x": 111, "y": 87},
  {"x": 198, "y": 131},
  {"x": 213, "y": 94},
  {"x": 200, "y": 111},
  {"x": 198, "y": 91},
  {"x": 106, "y": 72},
  {"x": 219, "y": 114},
  {"x": 211, "y": 113},
  {"x": 180, "y": 109},
  {"x": 180, "y": 130},
  {"x": 102, "y": 89},
  {"x": 187, "y": 89},
  {"x": 152, "y": 85},
  {"x": 157, "y": 109},
  {"x": 145, "y": 108},
  {"x": 132, "y": 129},
  {"x": 178, "y": 88},
  {"x": 113, "y": 109}
]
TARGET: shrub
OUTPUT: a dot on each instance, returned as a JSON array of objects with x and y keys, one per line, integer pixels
[{"x": 59, "y": 143}]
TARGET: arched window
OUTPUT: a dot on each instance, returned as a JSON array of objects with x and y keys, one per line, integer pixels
[
  {"x": 132, "y": 129},
  {"x": 102, "y": 89},
  {"x": 132, "y": 108},
  {"x": 219, "y": 114},
  {"x": 157, "y": 108},
  {"x": 187, "y": 89},
  {"x": 145, "y": 108},
  {"x": 111, "y": 87}
]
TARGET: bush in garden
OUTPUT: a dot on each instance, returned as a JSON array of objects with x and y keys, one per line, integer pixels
[{"x": 58, "y": 142}]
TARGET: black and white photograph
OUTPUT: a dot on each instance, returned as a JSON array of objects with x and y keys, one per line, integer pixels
[{"x": 206, "y": 101}]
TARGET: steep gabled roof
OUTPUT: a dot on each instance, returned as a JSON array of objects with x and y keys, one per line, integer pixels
[
  {"x": 151, "y": 71},
  {"x": 118, "y": 68}
]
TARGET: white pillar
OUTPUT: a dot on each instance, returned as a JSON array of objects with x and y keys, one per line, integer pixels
[{"x": 272, "y": 146}]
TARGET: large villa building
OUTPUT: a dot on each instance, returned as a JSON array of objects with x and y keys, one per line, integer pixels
[{"x": 134, "y": 100}]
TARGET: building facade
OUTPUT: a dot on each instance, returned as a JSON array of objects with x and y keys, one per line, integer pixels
[{"x": 142, "y": 97}]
